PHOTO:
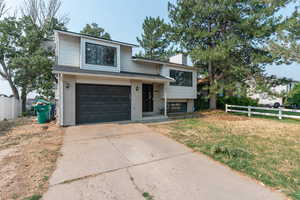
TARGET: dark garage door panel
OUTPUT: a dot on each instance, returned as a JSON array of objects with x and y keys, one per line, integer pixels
[{"x": 102, "y": 103}]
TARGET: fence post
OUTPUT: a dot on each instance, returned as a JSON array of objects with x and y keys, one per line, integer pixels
[
  {"x": 280, "y": 114},
  {"x": 249, "y": 111},
  {"x": 226, "y": 108}
]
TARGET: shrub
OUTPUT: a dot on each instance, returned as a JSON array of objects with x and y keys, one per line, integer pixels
[
  {"x": 230, "y": 152},
  {"x": 201, "y": 103},
  {"x": 293, "y": 98},
  {"x": 235, "y": 100}
]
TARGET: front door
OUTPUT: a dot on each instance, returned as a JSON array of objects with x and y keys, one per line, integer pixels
[{"x": 147, "y": 98}]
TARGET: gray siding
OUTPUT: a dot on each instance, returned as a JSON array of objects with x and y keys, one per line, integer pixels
[
  {"x": 69, "y": 51},
  {"x": 180, "y": 92},
  {"x": 128, "y": 65}
]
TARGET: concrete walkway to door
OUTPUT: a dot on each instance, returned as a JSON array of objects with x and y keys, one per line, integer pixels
[{"x": 130, "y": 161}]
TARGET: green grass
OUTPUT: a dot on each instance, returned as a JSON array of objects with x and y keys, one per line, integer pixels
[
  {"x": 147, "y": 196},
  {"x": 34, "y": 197},
  {"x": 271, "y": 159}
]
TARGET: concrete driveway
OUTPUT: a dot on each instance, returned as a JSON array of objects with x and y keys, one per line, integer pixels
[{"x": 125, "y": 162}]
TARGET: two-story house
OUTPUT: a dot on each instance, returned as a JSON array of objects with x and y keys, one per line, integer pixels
[{"x": 100, "y": 81}]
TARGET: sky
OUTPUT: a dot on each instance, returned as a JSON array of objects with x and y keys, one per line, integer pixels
[{"x": 123, "y": 19}]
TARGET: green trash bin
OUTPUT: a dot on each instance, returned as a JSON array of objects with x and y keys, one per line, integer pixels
[{"x": 43, "y": 115}]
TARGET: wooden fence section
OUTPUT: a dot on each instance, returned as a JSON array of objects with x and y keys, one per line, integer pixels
[
  {"x": 10, "y": 108},
  {"x": 275, "y": 112}
]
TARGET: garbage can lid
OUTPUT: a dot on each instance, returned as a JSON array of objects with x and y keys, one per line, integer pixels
[{"x": 42, "y": 101}]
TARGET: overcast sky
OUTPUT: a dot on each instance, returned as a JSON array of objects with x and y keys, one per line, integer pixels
[{"x": 123, "y": 19}]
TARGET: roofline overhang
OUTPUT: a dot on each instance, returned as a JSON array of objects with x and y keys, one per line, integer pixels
[
  {"x": 165, "y": 80},
  {"x": 95, "y": 38},
  {"x": 164, "y": 63}
]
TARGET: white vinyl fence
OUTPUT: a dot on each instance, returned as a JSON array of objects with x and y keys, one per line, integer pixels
[
  {"x": 10, "y": 108},
  {"x": 275, "y": 112}
]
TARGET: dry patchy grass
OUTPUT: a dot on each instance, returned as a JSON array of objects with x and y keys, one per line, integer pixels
[
  {"x": 28, "y": 154},
  {"x": 267, "y": 150}
]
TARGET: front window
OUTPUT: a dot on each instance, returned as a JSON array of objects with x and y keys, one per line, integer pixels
[
  {"x": 96, "y": 54},
  {"x": 177, "y": 107},
  {"x": 182, "y": 78}
]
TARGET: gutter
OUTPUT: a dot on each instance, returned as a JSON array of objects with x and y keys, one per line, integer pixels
[{"x": 168, "y": 79}]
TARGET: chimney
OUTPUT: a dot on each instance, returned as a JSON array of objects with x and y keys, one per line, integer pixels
[{"x": 179, "y": 59}]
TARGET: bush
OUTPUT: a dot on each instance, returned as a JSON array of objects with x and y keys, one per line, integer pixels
[
  {"x": 234, "y": 100},
  {"x": 201, "y": 103},
  {"x": 230, "y": 152},
  {"x": 293, "y": 98}
]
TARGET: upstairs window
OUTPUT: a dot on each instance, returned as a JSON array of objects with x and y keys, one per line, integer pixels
[
  {"x": 182, "y": 78},
  {"x": 96, "y": 54}
]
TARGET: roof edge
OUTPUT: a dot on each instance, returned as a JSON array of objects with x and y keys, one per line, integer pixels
[
  {"x": 162, "y": 62},
  {"x": 122, "y": 75},
  {"x": 95, "y": 38}
]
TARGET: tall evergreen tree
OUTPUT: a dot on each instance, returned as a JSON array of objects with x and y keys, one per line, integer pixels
[
  {"x": 96, "y": 31},
  {"x": 226, "y": 37},
  {"x": 286, "y": 45},
  {"x": 154, "y": 39}
]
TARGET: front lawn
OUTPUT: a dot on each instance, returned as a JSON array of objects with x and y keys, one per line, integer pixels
[{"x": 266, "y": 150}]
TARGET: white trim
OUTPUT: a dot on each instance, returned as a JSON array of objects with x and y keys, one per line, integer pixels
[
  {"x": 102, "y": 81},
  {"x": 165, "y": 99},
  {"x": 94, "y": 38},
  {"x": 166, "y": 64},
  {"x": 57, "y": 47},
  {"x": 61, "y": 99},
  {"x": 112, "y": 76},
  {"x": 84, "y": 65}
]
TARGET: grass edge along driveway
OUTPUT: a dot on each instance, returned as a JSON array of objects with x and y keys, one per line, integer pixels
[{"x": 266, "y": 150}]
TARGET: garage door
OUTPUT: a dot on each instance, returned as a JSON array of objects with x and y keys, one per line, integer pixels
[{"x": 102, "y": 103}]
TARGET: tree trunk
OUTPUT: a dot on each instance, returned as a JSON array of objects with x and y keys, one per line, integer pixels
[
  {"x": 13, "y": 89},
  {"x": 24, "y": 99},
  {"x": 213, "y": 101},
  {"x": 7, "y": 76},
  {"x": 212, "y": 93}
]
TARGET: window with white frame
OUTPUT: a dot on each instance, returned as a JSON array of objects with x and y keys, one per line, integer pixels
[
  {"x": 182, "y": 78},
  {"x": 96, "y": 54}
]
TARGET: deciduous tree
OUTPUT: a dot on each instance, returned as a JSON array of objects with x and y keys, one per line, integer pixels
[
  {"x": 10, "y": 32},
  {"x": 33, "y": 64}
]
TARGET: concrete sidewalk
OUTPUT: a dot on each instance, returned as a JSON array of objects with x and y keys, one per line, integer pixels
[{"x": 113, "y": 161}]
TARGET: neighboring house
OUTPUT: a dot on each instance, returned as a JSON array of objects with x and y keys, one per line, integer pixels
[
  {"x": 100, "y": 81},
  {"x": 275, "y": 96},
  {"x": 279, "y": 92}
]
